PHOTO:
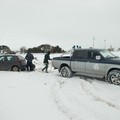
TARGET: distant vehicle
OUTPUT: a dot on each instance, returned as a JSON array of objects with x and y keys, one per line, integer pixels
[
  {"x": 12, "y": 62},
  {"x": 98, "y": 63}
]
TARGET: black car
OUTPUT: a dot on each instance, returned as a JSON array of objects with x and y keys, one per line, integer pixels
[{"x": 12, "y": 62}]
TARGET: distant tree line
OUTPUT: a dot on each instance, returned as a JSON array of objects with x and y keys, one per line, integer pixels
[
  {"x": 42, "y": 49},
  {"x": 5, "y": 49}
]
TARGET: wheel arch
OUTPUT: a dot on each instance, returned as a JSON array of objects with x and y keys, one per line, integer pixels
[
  {"x": 63, "y": 65},
  {"x": 14, "y": 66},
  {"x": 106, "y": 77},
  {"x": 112, "y": 69}
]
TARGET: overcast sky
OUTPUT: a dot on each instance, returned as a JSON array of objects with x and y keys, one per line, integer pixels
[{"x": 87, "y": 23}]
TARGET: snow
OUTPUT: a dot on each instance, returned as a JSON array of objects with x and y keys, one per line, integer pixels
[{"x": 47, "y": 96}]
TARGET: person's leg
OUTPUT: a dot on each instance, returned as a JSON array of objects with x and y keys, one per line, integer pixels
[
  {"x": 31, "y": 68},
  {"x": 46, "y": 67},
  {"x": 27, "y": 66}
]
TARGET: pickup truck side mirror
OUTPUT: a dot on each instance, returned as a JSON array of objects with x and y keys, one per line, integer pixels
[{"x": 98, "y": 57}]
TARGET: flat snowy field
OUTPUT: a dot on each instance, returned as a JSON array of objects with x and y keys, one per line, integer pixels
[{"x": 47, "y": 96}]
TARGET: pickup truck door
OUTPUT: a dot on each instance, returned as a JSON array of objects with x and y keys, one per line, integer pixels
[
  {"x": 78, "y": 65},
  {"x": 95, "y": 67},
  {"x": 78, "y": 61}
]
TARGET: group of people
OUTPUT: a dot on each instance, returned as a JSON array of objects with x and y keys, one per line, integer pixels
[{"x": 30, "y": 66}]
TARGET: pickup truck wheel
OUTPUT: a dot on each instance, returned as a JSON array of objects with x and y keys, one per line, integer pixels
[
  {"x": 66, "y": 72},
  {"x": 114, "y": 77}
]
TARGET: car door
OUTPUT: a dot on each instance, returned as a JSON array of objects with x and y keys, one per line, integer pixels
[
  {"x": 2, "y": 62},
  {"x": 6, "y": 62},
  {"x": 78, "y": 61},
  {"x": 10, "y": 62},
  {"x": 94, "y": 67}
]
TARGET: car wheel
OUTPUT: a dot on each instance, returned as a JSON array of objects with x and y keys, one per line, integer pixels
[
  {"x": 66, "y": 72},
  {"x": 15, "y": 68},
  {"x": 114, "y": 77}
]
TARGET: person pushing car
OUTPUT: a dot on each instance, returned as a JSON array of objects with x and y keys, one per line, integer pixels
[{"x": 29, "y": 57}]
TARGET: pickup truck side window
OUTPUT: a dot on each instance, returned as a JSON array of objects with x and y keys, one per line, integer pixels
[
  {"x": 92, "y": 54},
  {"x": 80, "y": 54}
]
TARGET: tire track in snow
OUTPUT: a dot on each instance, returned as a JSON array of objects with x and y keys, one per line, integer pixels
[
  {"x": 96, "y": 97},
  {"x": 57, "y": 86}
]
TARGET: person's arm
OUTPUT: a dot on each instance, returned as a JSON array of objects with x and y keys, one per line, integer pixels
[
  {"x": 26, "y": 57},
  {"x": 32, "y": 57},
  {"x": 49, "y": 58}
]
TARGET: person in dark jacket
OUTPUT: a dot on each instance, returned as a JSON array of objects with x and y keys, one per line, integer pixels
[
  {"x": 46, "y": 62},
  {"x": 29, "y": 57}
]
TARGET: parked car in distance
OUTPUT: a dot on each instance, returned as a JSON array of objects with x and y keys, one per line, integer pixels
[
  {"x": 12, "y": 62},
  {"x": 98, "y": 63}
]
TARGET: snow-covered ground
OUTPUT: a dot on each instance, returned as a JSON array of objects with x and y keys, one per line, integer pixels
[{"x": 47, "y": 96}]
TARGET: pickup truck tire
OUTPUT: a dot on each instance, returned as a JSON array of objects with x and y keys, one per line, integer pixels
[
  {"x": 114, "y": 77},
  {"x": 66, "y": 72}
]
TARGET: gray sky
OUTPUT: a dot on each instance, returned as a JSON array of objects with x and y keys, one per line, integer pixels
[{"x": 31, "y": 23}]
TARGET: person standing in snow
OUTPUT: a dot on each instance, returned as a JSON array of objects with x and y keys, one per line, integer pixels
[
  {"x": 46, "y": 62},
  {"x": 29, "y": 57}
]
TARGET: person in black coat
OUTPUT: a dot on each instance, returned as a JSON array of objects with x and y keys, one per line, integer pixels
[
  {"x": 46, "y": 62},
  {"x": 29, "y": 57}
]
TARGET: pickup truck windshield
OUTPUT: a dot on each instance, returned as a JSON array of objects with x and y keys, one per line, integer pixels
[{"x": 107, "y": 54}]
